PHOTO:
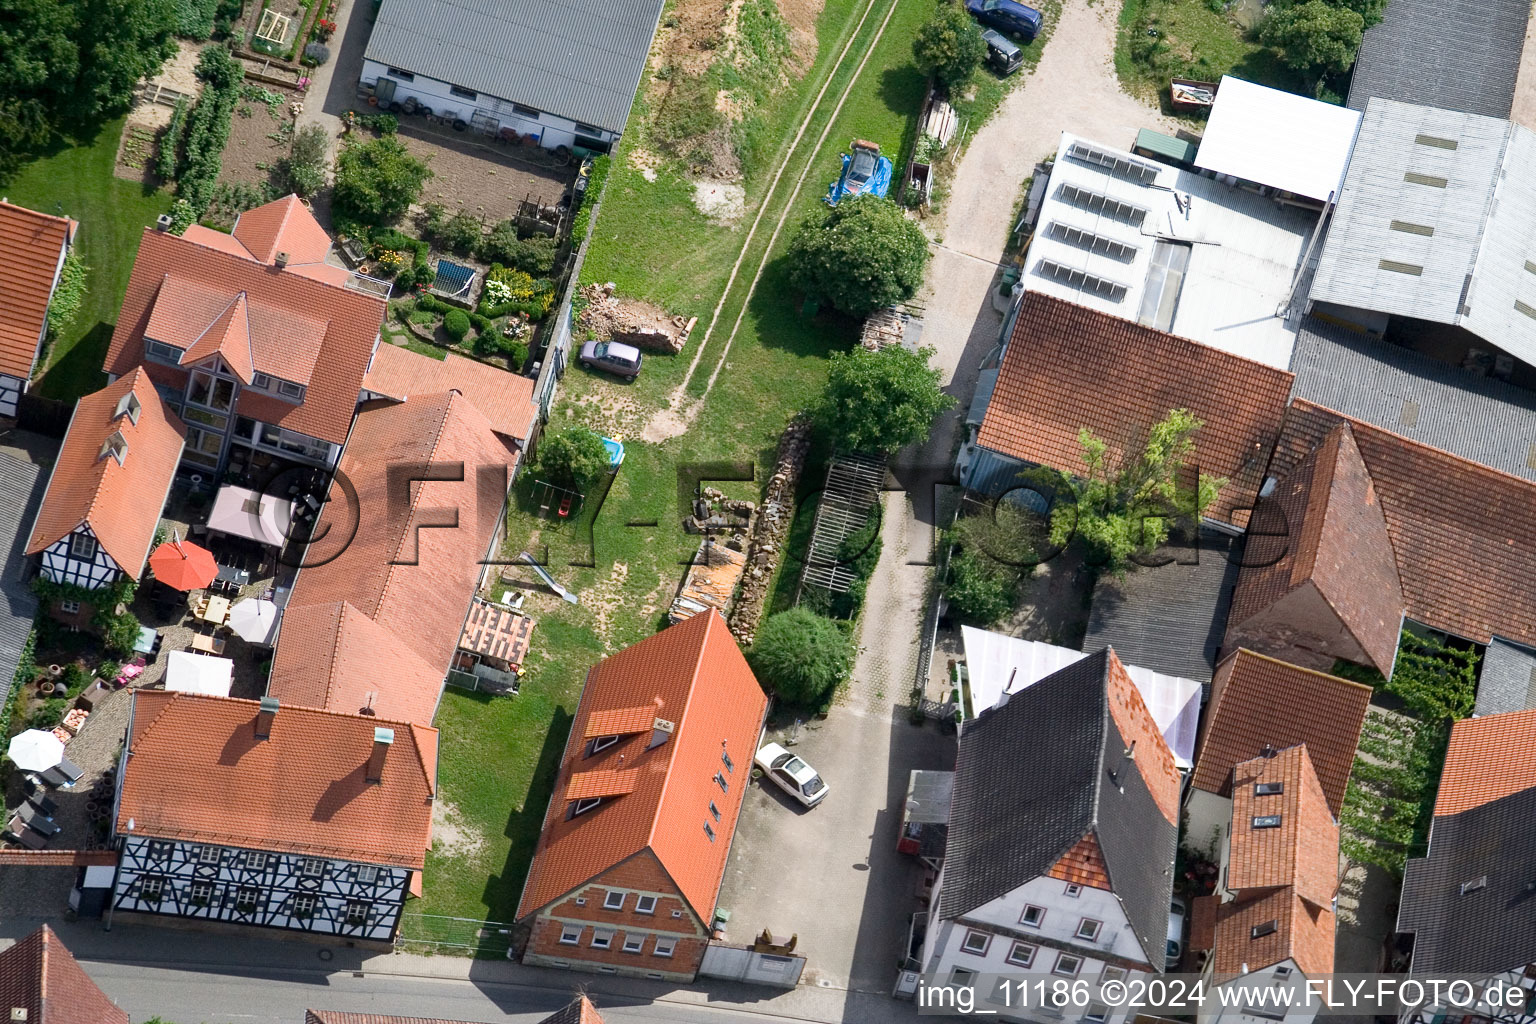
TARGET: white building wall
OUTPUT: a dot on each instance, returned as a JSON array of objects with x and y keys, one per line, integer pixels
[
  {"x": 1208, "y": 822},
  {"x": 1285, "y": 979},
  {"x": 552, "y": 129}
]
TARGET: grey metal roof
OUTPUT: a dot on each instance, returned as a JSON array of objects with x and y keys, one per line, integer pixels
[
  {"x": 1457, "y": 54},
  {"x": 1507, "y": 679},
  {"x": 20, "y": 495},
  {"x": 1376, "y": 194},
  {"x": 1032, "y": 778},
  {"x": 1171, "y": 618},
  {"x": 579, "y": 59},
  {"x": 1478, "y": 418},
  {"x": 1488, "y": 930}
]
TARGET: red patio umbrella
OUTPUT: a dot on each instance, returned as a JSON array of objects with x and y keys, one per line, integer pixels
[{"x": 183, "y": 565}]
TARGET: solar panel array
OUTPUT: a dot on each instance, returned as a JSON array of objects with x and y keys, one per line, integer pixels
[
  {"x": 1098, "y": 202},
  {"x": 1093, "y": 242},
  {"x": 1082, "y": 279},
  {"x": 1139, "y": 171}
]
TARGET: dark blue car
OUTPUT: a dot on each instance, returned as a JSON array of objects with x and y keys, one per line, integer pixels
[{"x": 1007, "y": 16}]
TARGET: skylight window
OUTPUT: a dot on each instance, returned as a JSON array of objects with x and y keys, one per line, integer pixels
[
  {"x": 1480, "y": 882},
  {"x": 1258, "y": 931},
  {"x": 1266, "y": 821},
  {"x": 1268, "y": 788}
]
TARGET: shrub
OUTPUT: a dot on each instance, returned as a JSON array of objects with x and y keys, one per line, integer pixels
[
  {"x": 194, "y": 18},
  {"x": 433, "y": 217},
  {"x": 317, "y": 53},
  {"x": 459, "y": 233},
  {"x": 170, "y": 142},
  {"x": 573, "y": 458},
  {"x": 801, "y": 656},
  {"x": 864, "y": 255},
  {"x": 69, "y": 295},
  {"x": 303, "y": 170},
  {"x": 384, "y": 124},
  {"x": 376, "y": 181},
  {"x": 50, "y": 713},
  {"x": 76, "y": 679},
  {"x": 109, "y": 669},
  {"x": 208, "y": 126},
  {"x": 120, "y": 634},
  {"x": 979, "y": 589},
  {"x": 183, "y": 216},
  {"x": 534, "y": 256},
  {"x": 456, "y": 323},
  {"x": 589, "y": 199},
  {"x": 880, "y": 401}
]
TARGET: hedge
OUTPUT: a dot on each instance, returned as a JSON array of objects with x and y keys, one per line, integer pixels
[
  {"x": 208, "y": 126},
  {"x": 589, "y": 198},
  {"x": 170, "y": 142}
]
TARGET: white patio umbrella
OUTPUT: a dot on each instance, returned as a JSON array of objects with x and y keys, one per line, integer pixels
[
  {"x": 35, "y": 750},
  {"x": 253, "y": 620},
  {"x": 186, "y": 672}
]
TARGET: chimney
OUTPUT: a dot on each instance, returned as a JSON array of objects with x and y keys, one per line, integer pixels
[
  {"x": 661, "y": 731},
  {"x": 280, "y": 260},
  {"x": 382, "y": 738},
  {"x": 163, "y": 222},
  {"x": 264, "y": 716}
]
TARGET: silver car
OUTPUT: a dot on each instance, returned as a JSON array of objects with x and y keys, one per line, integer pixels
[{"x": 613, "y": 356}]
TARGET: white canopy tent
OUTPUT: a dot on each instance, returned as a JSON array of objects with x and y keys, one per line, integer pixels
[
  {"x": 186, "y": 672},
  {"x": 242, "y": 512},
  {"x": 1279, "y": 139},
  {"x": 999, "y": 664}
]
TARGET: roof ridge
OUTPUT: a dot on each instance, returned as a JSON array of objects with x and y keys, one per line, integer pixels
[
  {"x": 292, "y": 707},
  {"x": 1343, "y": 620},
  {"x": 244, "y": 301},
  {"x": 427, "y": 774},
  {"x": 169, "y": 697},
  {"x": 213, "y": 323},
  {"x": 63, "y": 219}
]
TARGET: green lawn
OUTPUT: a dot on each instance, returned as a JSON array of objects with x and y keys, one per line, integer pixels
[
  {"x": 627, "y": 559},
  {"x": 1191, "y": 41},
  {"x": 77, "y": 181}
]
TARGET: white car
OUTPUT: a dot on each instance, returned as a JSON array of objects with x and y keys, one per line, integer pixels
[
  {"x": 791, "y": 774},
  {"x": 1176, "y": 931}
]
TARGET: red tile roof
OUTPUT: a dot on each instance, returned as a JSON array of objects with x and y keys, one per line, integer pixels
[
  {"x": 1324, "y": 528},
  {"x": 696, "y": 677},
  {"x": 1069, "y": 367},
  {"x": 1259, "y": 702},
  {"x": 1303, "y": 851},
  {"x": 404, "y": 565},
  {"x": 120, "y": 503},
  {"x": 579, "y": 1011},
  {"x": 1463, "y": 534},
  {"x": 39, "y": 975},
  {"x": 506, "y": 399},
  {"x": 1083, "y": 864},
  {"x": 282, "y": 226},
  {"x": 197, "y": 772},
  {"x": 31, "y": 246},
  {"x": 1140, "y": 731},
  {"x": 1489, "y": 758},
  {"x": 299, "y": 327},
  {"x": 1302, "y": 932}
]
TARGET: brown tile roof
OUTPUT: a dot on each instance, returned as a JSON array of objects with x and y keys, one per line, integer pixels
[
  {"x": 704, "y": 687},
  {"x": 1083, "y": 864},
  {"x": 197, "y": 772},
  {"x": 38, "y": 974},
  {"x": 31, "y": 246},
  {"x": 120, "y": 503},
  {"x": 578, "y": 1011},
  {"x": 1463, "y": 533},
  {"x": 299, "y": 328},
  {"x": 1303, "y": 851},
  {"x": 506, "y": 399},
  {"x": 1488, "y": 759},
  {"x": 1302, "y": 932},
  {"x": 1154, "y": 761},
  {"x": 1069, "y": 367},
  {"x": 331, "y": 658},
  {"x": 1257, "y": 701},
  {"x": 497, "y": 632},
  {"x": 401, "y": 566}
]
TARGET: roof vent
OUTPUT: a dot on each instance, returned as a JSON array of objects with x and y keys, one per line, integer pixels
[
  {"x": 1480, "y": 882},
  {"x": 1258, "y": 931},
  {"x": 18, "y": 1013},
  {"x": 115, "y": 446},
  {"x": 264, "y": 716},
  {"x": 280, "y": 260},
  {"x": 661, "y": 731}
]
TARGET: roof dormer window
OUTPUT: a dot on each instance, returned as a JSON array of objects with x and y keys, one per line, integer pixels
[
  {"x": 583, "y": 806},
  {"x": 1480, "y": 882},
  {"x": 115, "y": 446},
  {"x": 600, "y": 744},
  {"x": 128, "y": 406}
]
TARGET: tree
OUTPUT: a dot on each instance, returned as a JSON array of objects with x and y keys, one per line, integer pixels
[
  {"x": 302, "y": 171},
  {"x": 1315, "y": 38},
  {"x": 880, "y": 401},
  {"x": 571, "y": 458},
  {"x": 980, "y": 589},
  {"x": 801, "y": 656},
  {"x": 38, "y": 59},
  {"x": 120, "y": 42},
  {"x": 949, "y": 45},
  {"x": 376, "y": 181},
  {"x": 864, "y": 255},
  {"x": 1370, "y": 11},
  {"x": 1120, "y": 508}
]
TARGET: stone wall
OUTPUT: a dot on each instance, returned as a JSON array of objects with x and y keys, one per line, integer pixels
[{"x": 771, "y": 529}]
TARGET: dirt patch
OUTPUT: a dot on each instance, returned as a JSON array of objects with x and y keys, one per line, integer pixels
[
  {"x": 136, "y": 153},
  {"x": 610, "y": 411},
  {"x": 723, "y": 202},
  {"x": 451, "y": 837},
  {"x": 645, "y": 162},
  {"x": 260, "y": 134},
  {"x": 604, "y": 598},
  {"x": 800, "y": 16},
  {"x": 485, "y": 179},
  {"x": 632, "y": 321}
]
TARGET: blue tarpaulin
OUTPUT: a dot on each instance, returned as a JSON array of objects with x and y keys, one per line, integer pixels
[{"x": 865, "y": 172}]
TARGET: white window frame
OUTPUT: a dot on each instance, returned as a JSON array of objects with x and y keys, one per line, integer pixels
[
  {"x": 367, "y": 874},
  {"x": 1039, "y": 920},
  {"x": 160, "y": 352},
  {"x": 256, "y": 860},
  {"x": 206, "y": 890},
  {"x": 303, "y": 905},
  {"x": 665, "y": 944},
  {"x": 1113, "y": 973},
  {"x": 714, "y": 812},
  {"x": 261, "y": 381},
  {"x": 1282, "y": 973},
  {"x": 69, "y": 607},
  {"x": 570, "y": 934},
  {"x": 730, "y": 765},
  {"x": 709, "y": 831},
  {"x": 1025, "y": 961},
  {"x": 155, "y": 883},
  {"x": 725, "y": 787},
  {"x": 1097, "y": 1012},
  {"x": 602, "y": 743},
  {"x": 634, "y": 943},
  {"x": 356, "y": 905},
  {"x": 602, "y": 938},
  {"x": 210, "y": 855},
  {"x": 461, "y": 93},
  {"x": 312, "y": 867},
  {"x": 585, "y": 804},
  {"x": 966, "y": 945},
  {"x": 1088, "y": 929},
  {"x": 83, "y": 546},
  {"x": 609, "y": 901},
  {"x": 645, "y": 904},
  {"x": 961, "y": 977},
  {"x": 1074, "y": 890},
  {"x": 1060, "y": 966},
  {"x": 288, "y": 389},
  {"x": 247, "y": 899}
]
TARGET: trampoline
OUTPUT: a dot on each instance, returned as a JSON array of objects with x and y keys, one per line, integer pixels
[{"x": 452, "y": 279}]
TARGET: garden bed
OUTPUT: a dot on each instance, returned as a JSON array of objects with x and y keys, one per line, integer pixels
[{"x": 259, "y": 133}]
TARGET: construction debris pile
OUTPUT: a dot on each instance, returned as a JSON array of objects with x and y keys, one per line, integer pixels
[
  {"x": 640, "y": 324},
  {"x": 770, "y": 529}
]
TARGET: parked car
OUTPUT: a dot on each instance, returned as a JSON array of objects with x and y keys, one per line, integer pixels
[
  {"x": 612, "y": 356},
  {"x": 1178, "y": 912},
  {"x": 791, "y": 774},
  {"x": 1007, "y": 16},
  {"x": 1002, "y": 55}
]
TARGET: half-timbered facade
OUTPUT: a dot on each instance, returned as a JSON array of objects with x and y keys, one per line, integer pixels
[
  {"x": 253, "y": 813},
  {"x": 98, "y": 516}
]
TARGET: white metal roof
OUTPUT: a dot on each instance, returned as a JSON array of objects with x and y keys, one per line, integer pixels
[
  {"x": 1097, "y": 244},
  {"x": 1278, "y": 139},
  {"x": 999, "y": 664}
]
